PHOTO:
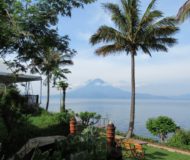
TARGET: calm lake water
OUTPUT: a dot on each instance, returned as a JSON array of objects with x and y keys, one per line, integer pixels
[{"x": 118, "y": 111}]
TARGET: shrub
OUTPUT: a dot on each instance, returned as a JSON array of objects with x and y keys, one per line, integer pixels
[
  {"x": 180, "y": 139},
  {"x": 11, "y": 107},
  {"x": 89, "y": 118},
  {"x": 161, "y": 126},
  {"x": 86, "y": 146},
  {"x": 44, "y": 124}
]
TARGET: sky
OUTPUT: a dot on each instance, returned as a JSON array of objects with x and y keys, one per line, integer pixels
[{"x": 165, "y": 74}]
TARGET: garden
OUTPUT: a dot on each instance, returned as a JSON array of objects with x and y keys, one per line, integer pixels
[
  {"x": 30, "y": 41},
  {"x": 88, "y": 142}
]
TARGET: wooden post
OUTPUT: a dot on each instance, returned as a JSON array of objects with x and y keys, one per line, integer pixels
[
  {"x": 110, "y": 134},
  {"x": 72, "y": 126}
]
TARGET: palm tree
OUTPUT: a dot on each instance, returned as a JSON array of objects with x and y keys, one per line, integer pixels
[
  {"x": 50, "y": 64},
  {"x": 132, "y": 33},
  {"x": 63, "y": 86},
  {"x": 184, "y": 11}
]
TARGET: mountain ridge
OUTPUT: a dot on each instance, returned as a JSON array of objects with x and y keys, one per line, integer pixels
[{"x": 99, "y": 89}]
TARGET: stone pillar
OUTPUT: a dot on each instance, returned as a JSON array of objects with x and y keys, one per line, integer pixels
[
  {"x": 72, "y": 126},
  {"x": 110, "y": 134}
]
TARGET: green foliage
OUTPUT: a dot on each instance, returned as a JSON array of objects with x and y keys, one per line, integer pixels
[
  {"x": 180, "y": 139},
  {"x": 161, "y": 126},
  {"x": 184, "y": 11},
  {"x": 152, "y": 153},
  {"x": 134, "y": 32},
  {"x": 89, "y": 118},
  {"x": 88, "y": 145},
  {"x": 28, "y": 26},
  {"x": 43, "y": 124},
  {"x": 11, "y": 108},
  {"x": 3, "y": 130}
]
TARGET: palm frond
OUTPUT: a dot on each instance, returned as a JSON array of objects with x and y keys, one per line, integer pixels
[
  {"x": 157, "y": 47},
  {"x": 151, "y": 32},
  {"x": 148, "y": 10},
  {"x": 110, "y": 49},
  {"x": 107, "y": 34},
  {"x": 151, "y": 18},
  {"x": 184, "y": 12},
  {"x": 131, "y": 11},
  {"x": 163, "y": 28},
  {"x": 117, "y": 16},
  {"x": 145, "y": 50}
]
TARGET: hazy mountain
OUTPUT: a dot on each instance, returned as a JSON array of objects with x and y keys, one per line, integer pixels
[
  {"x": 98, "y": 89},
  {"x": 182, "y": 97}
]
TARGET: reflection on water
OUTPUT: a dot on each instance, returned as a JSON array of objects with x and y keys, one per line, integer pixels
[{"x": 118, "y": 111}]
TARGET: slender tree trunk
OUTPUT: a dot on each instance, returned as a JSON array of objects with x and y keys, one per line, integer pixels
[
  {"x": 63, "y": 99},
  {"x": 162, "y": 138},
  {"x": 132, "y": 110},
  {"x": 48, "y": 91}
]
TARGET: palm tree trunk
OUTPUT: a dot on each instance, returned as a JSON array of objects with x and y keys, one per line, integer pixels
[
  {"x": 63, "y": 107},
  {"x": 48, "y": 91},
  {"x": 132, "y": 110}
]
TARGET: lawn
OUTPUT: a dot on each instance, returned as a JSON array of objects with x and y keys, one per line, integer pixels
[
  {"x": 44, "y": 124},
  {"x": 160, "y": 154}
]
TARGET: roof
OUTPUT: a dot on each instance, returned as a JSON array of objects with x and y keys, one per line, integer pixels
[{"x": 12, "y": 78}]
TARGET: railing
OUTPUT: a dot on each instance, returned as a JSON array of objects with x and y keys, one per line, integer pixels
[{"x": 102, "y": 123}]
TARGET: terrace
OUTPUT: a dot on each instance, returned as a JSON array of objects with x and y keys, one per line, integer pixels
[{"x": 8, "y": 78}]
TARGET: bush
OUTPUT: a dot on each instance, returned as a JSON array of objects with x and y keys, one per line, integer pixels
[
  {"x": 44, "y": 124},
  {"x": 88, "y": 118},
  {"x": 11, "y": 107},
  {"x": 86, "y": 146},
  {"x": 180, "y": 139},
  {"x": 161, "y": 126}
]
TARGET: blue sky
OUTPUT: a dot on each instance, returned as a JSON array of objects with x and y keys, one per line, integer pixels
[{"x": 162, "y": 74}]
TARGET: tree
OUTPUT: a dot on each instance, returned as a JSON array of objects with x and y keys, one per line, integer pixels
[
  {"x": 63, "y": 86},
  {"x": 184, "y": 11},
  {"x": 89, "y": 118},
  {"x": 25, "y": 26},
  {"x": 50, "y": 63},
  {"x": 8, "y": 28},
  {"x": 148, "y": 33},
  {"x": 161, "y": 126},
  {"x": 34, "y": 33}
]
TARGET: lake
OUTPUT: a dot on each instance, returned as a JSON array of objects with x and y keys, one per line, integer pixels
[{"x": 118, "y": 111}]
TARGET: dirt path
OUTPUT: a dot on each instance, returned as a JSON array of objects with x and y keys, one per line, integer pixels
[{"x": 155, "y": 145}]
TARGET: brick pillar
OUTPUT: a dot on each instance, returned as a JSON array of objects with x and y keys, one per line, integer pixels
[
  {"x": 72, "y": 126},
  {"x": 110, "y": 134}
]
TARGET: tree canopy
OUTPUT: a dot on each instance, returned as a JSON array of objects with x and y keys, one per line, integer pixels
[
  {"x": 28, "y": 28},
  {"x": 161, "y": 126}
]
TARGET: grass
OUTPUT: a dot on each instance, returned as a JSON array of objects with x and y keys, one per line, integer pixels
[
  {"x": 44, "y": 120},
  {"x": 160, "y": 154},
  {"x": 44, "y": 124}
]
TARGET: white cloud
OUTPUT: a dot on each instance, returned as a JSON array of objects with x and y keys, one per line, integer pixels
[
  {"x": 85, "y": 36},
  {"x": 101, "y": 17},
  {"x": 170, "y": 69}
]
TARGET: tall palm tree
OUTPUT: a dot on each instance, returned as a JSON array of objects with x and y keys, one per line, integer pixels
[
  {"x": 63, "y": 86},
  {"x": 184, "y": 11},
  {"x": 133, "y": 32},
  {"x": 50, "y": 64}
]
